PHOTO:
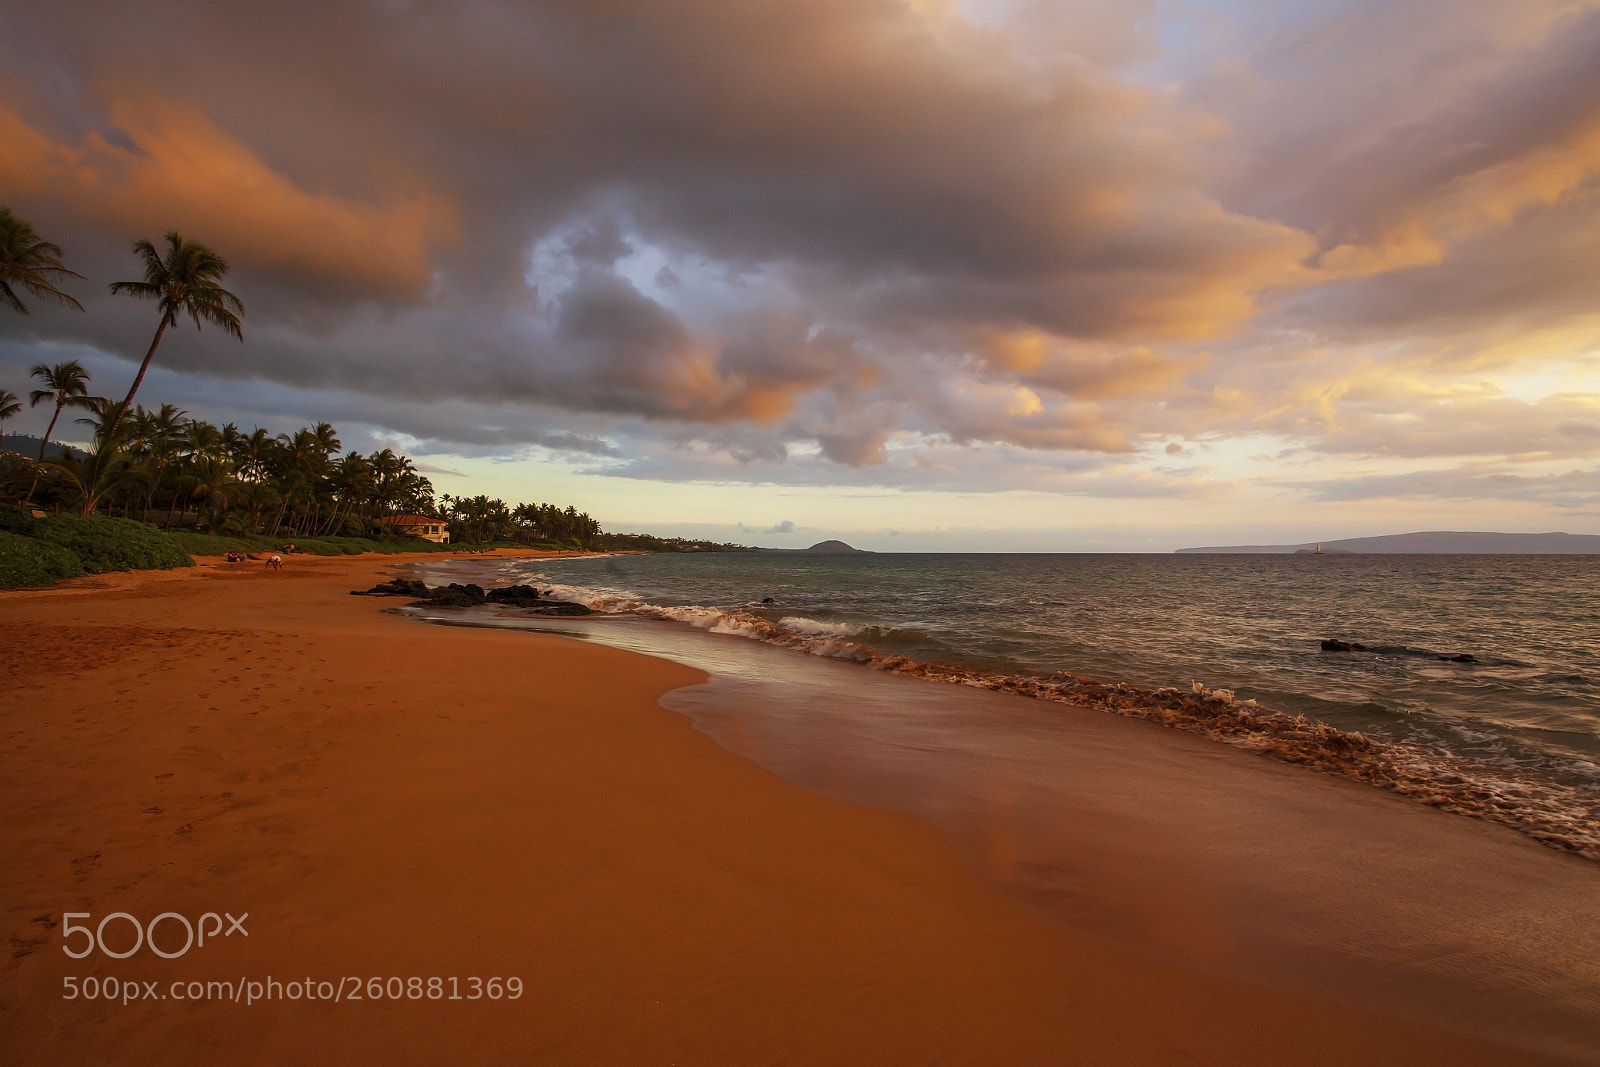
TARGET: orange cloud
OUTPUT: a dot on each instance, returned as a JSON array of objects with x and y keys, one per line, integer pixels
[
  {"x": 183, "y": 172},
  {"x": 1086, "y": 372},
  {"x": 1493, "y": 196}
]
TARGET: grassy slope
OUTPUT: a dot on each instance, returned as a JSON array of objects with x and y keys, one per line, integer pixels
[
  {"x": 29, "y": 561},
  {"x": 200, "y": 544},
  {"x": 41, "y": 551}
]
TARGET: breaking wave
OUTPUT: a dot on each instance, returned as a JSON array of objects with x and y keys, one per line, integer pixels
[{"x": 1562, "y": 815}]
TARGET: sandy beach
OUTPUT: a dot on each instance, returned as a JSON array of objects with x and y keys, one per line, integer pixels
[{"x": 395, "y": 801}]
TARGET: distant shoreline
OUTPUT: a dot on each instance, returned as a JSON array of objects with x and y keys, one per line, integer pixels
[{"x": 1436, "y": 542}]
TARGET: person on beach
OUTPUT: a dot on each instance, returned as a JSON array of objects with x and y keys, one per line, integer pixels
[{"x": 275, "y": 562}]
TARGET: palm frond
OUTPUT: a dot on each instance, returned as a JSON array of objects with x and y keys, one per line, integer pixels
[
  {"x": 9, "y": 299},
  {"x": 145, "y": 290},
  {"x": 31, "y": 263}
]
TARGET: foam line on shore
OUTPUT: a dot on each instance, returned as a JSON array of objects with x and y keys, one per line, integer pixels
[{"x": 1561, "y": 815}]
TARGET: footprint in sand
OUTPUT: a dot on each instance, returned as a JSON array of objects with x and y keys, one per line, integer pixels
[
  {"x": 21, "y": 948},
  {"x": 83, "y": 866}
]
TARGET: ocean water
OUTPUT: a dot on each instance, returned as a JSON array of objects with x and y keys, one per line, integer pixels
[
  {"x": 1295, "y": 880},
  {"x": 1513, "y": 734}
]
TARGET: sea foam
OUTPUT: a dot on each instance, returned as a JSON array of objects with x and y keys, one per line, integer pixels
[{"x": 1564, "y": 816}]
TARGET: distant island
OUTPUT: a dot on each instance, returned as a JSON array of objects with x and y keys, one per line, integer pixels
[
  {"x": 1437, "y": 542},
  {"x": 830, "y": 547},
  {"x": 823, "y": 548}
]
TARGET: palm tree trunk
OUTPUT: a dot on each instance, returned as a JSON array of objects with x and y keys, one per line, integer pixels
[
  {"x": 150, "y": 497},
  {"x": 49, "y": 430},
  {"x": 42, "y": 446},
  {"x": 138, "y": 378}
]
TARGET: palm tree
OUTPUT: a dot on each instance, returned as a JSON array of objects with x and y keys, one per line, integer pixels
[
  {"x": 251, "y": 452},
  {"x": 65, "y": 385},
  {"x": 203, "y": 440},
  {"x": 31, "y": 263},
  {"x": 9, "y": 406},
  {"x": 105, "y": 415},
  {"x": 184, "y": 281},
  {"x": 97, "y": 475},
  {"x": 326, "y": 438},
  {"x": 209, "y": 477},
  {"x": 255, "y": 498},
  {"x": 351, "y": 480},
  {"x": 160, "y": 433}
]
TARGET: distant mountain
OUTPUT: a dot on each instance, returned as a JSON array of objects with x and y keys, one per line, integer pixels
[
  {"x": 831, "y": 547},
  {"x": 28, "y": 445},
  {"x": 1437, "y": 542}
]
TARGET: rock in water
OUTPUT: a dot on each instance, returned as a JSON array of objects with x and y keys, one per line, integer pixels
[
  {"x": 454, "y": 596},
  {"x": 472, "y": 596},
  {"x": 1330, "y": 644},
  {"x": 520, "y": 595},
  {"x": 557, "y": 607}
]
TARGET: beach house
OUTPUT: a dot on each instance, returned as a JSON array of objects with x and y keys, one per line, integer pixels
[{"x": 426, "y": 526}]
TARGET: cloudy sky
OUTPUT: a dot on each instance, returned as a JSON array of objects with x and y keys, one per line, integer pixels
[{"x": 996, "y": 274}]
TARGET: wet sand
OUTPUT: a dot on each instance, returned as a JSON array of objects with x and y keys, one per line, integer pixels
[{"x": 386, "y": 799}]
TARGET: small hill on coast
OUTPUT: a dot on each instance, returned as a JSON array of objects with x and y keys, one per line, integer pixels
[
  {"x": 1451, "y": 542},
  {"x": 823, "y": 548},
  {"x": 830, "y": 547},
  {"x": 28, "y": 445}
]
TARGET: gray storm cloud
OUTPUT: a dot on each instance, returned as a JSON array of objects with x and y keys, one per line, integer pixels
[{"x": 741, "y": 232}]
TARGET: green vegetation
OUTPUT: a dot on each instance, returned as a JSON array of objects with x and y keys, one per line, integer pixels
[
  {"x": 156, "y": 487},
  {"x": 199, "y": 544},
  {"x": 186, "y": 473},
  {"x": 482, "y": 520},
  {"x": 183, "y": 281},
  {"x": 99, "y": 544},
  {"x": 29, "y": 262},
  {"x": 9, "y": 405},
  {"x": 44, "y": 550},
  {"x": 65, "y": 385},
  {"x": 29, "y": 561},
  {"x": 635, "y": 542}
]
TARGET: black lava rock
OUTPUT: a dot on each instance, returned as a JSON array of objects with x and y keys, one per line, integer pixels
[
  {"x": 558, "y": 607},
  {"x": 397, "y": 587},
  {"x": 520, "y": 595},
  {"x": 1330, "y": 644},
  {"x": 453, "y": 595}
]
